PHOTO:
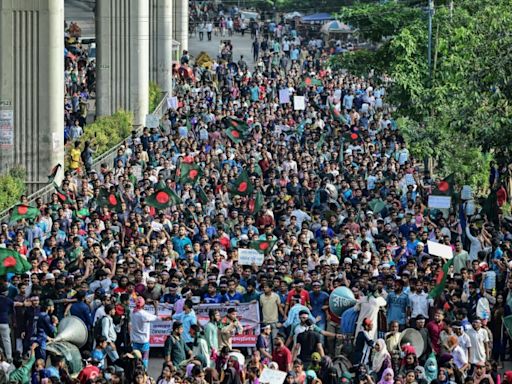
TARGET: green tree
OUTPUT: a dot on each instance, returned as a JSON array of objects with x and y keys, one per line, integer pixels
[{"x": 12, "y": 186}]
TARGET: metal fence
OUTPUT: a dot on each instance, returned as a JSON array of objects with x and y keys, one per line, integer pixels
[{"x": 46, "y": 192}]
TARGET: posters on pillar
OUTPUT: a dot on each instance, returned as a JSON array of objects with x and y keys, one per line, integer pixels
[
  {"x": 6, "y": 129},
  {"x": 299, "y": 103},
  {"x": 284, "y": 96},
  {"x": 152, "y": 121},
  {"x": 248, "y": 314},
  {"x": 172, "y": 102}
]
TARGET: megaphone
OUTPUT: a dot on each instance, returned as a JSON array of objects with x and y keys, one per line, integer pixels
[
  {"x": 413, "y": 337},
  {"x": 73, "y": 330}
]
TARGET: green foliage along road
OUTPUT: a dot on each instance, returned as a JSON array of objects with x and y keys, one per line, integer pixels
[{"x": 461, "y": 116}]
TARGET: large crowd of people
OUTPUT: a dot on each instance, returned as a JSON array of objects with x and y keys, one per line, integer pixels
[{"x": 333, "y": 193}]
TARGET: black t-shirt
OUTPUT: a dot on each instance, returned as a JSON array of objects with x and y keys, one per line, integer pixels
[{"x": 308, "y": 341}]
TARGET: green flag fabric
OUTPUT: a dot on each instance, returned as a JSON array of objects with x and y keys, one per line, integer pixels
[
  {"x": 110, "y": 200},
  {"x": 202, "y": 196},
  {"x": 23, "y": 211},
  {"x": 189, "y": 173},
  {"x": 236, "y": 129},
  {"x": 53, "y": 173},
  {"x": 263, "y": 246},
  {"x": 163, "y": 198},
  {"x": 442, "y": 275},
  {"x": 242, "y": 185},
  {"x": 254, "y": 205},
  {"x": 308, "y": 82},
  {"x": 12, "y": 262},
  {"x": 445, "y": 187},
  {"x": 62, "y": 195}
]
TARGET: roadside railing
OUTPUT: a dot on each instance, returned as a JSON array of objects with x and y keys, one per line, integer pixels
[{"x": 46, "y": 192}]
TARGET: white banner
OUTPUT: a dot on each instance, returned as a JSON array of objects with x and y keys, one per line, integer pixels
[
  {"x": 299, "y": 103},
  {"x": 441, "y": 250},
  {"x": 250, "y": 256},
  {"x": 440, "y": 202}
]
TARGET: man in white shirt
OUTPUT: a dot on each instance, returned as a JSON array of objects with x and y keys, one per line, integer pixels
[
  {"x": 464, "y": 340},
  {"x": 479, "y": 342},
  {"x": 140, "y": 322},
  {"x": 419, "y": 301}
]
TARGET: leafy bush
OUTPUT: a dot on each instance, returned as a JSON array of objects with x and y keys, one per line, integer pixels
[
  {"x": 155, "y": 95},
  {"x": 12, "y": 186},
  {"x": 106, "y": 132}
]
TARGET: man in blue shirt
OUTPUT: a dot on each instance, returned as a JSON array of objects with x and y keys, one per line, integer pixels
[
  {"x": 81, "y": 310},
  {"x": 212, "y": 296},
  {"x": 187, "y": 318},
  {"x": 179, "y": 242},
  {"x": 319, "y": 304},
  {"x": 232, "y": 296},
  {"x": 46, "y": 328},
  {"x": 398, "y": 304}
]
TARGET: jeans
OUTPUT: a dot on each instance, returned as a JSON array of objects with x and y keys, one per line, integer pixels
[
  {"x": 143, "y": 348},
  {"x": 5, "y": 335}
]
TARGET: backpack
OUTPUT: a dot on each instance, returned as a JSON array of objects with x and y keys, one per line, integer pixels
[{"x": 98, "y": 327}]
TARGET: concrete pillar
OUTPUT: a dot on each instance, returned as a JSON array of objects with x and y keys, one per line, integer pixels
[
  {"x": 181, "y": 23},
  {"x": 32, "y": 87},
  {"x": 139, "y": 58},
  {"x": 122, "y": 45},
  {"x": 161, "y": 32}
]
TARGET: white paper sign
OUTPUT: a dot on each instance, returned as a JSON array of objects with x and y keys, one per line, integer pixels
[
  {"x": 272, "y": 376},
  {"x": 249, "y": 256},
  {"x": 152, "y": 121},
  {"x": 409, "y": 179},
  {"x": 172, "y": 102},
  {"x": 299, "y": 103},
  {"x": 440, "y": 202},
  {"x": 441, "y": 250},
  {"x": 284, "y": 96}
]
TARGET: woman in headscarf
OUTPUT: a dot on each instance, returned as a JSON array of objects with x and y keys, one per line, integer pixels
[
  {"x": 420, "y": 375},
  {"x": 232, "y": 373},
  {"x": 381, "y": 359},
  {"x": 410, "y": 362},
  {"x": 327, "y": 373},
  {"x": 431, "y": 368},
  {"x": 387, "y": 377}
]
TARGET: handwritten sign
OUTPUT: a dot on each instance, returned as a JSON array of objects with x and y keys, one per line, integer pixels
[
  {"x": 152, "y": 121},
  {"x": 272, "y": 376},
  {"x": 249, "y": 257},
  {"x": 441, "y": 250},
  {"x": 299, "y": 103},
  {"x": 284, "y": 96},
  {"x": 439, "y": 202}
]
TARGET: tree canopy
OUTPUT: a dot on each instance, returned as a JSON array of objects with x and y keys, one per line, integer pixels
[{"x": 461, "y": 115}]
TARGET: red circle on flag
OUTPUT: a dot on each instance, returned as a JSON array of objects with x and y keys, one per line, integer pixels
[
  {"x": 235, "y": 133},
  {"x": 252, "y": 205},
  {"x": 263, "y": 246},
  {"x": 162, "y": 197},
  {"x": 353, "y": 136},
  {"x": 193, "y": 173},
  {"x": 443, "y": 186},
  {"x": 308, "y": 81},
  {"x": 242, "y": 187},
  {"x": 234, "y": 123},
  {"x": 22, "y": 209},
  {"x": 112, "y": 199},
  {"x": 9, "y": 261}
]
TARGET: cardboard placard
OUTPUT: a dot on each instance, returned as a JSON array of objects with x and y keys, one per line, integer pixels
[
  {"x": 439, "y": 202},
  {"x": 441, "y": 250},
  {"x": 249, "y": 256}
]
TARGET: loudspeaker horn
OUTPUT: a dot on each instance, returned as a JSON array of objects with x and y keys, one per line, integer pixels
[
  {"x": 73, "y": 330},
  {"x": 413, "y": 337}
]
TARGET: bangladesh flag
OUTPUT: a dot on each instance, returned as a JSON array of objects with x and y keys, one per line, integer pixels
[
  {"x": 254, "y": 205},
  {"x": 236, "y": 129},
  {"x": 445, "y": 187},
  {"x": 189, "y": 173},
  {"x": 336, "y": 114},
  {"x": 54, "y": 172},
  {"x": 262, "y": 246},
  {"x": 163, "y": 198},
  {"x": 202, "y": 196},
  {"x": 23, "y": 211},
  {"x": 308, "y": 82},
  {"x": 242, "y": 185},
  {"x": 111, "y": 200},
  {"x": 442, "y": 275},
  {"x": 12, "y": 262},
  {"x": 62, "y": 195},
  {"x": 352, "y": 136}
]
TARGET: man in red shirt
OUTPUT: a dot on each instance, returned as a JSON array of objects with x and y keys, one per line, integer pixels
[
  {"x": 282, "y": 355},
  {"x": 434, "y": 329},
  {"x": 89, "y": 372},
  {"x": 298, "y": 290}
]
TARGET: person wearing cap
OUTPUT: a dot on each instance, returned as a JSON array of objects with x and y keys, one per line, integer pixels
[{"x": 363, "y": 344}]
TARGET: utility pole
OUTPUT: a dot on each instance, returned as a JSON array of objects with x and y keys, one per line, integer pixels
[{"x": 430, "y": 16}]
